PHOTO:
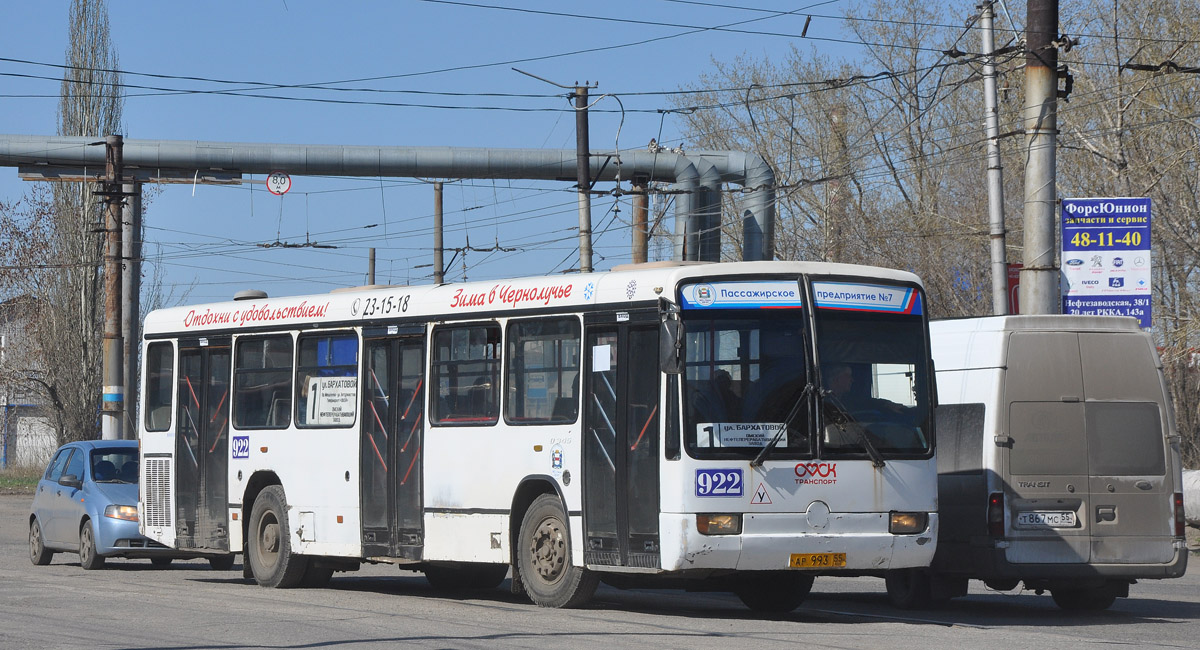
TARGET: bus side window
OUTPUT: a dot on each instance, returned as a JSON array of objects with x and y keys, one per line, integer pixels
[
  {"x": 327, "y": 380},
  {"x": 542, "y": 384},
  {"x": 465, "y": 370},
  {"x": 262, "y": 379}
]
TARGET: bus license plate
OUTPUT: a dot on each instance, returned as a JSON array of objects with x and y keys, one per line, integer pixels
[
  {"x": 817, "y": 560},
  {"x": 1063, "y": 519}
]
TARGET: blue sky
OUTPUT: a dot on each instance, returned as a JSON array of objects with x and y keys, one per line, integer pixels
[{"x": 208, "y": 236}]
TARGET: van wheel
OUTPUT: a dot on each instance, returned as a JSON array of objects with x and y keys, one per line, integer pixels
[
  {"x": 88, "y": 557},
  {"x": 221, "y": 562},
  {"x": 271, "y": 558},
  {"x": 775, "y": 592},
  {"x": 466, "y": 576},
  {"x": 544, "y": 558},
  {"x": 908, "y": 588},
  {"x": 38, "y": 553},
  {"x": 161, "y": 561},
  {"x": 1076, "y": 599},
  {"x": 1002, "y": 584}
]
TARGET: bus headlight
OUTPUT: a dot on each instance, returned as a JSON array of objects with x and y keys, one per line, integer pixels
[
  {"x": 128, "y": 513},
  {"x": 719, "y": 524},
  {"x": 908, "y": 523}
]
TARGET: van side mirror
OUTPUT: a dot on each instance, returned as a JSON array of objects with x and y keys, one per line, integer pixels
[{"x": 71, "y": 481}]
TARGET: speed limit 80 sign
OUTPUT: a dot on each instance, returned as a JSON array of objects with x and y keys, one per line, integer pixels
[{"x": 279, "y": 183}]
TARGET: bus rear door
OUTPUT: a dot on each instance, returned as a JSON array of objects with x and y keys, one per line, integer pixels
[{"x": 392, "y": 437}]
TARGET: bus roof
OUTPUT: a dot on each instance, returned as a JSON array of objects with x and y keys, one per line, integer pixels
[{"x": 626, "y": 285}]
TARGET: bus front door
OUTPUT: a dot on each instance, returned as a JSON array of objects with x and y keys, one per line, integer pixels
[
  {"x": 202, "y": 445},
  {"x": 620, "y": 447},
  {"x": 392, "y": 435}
]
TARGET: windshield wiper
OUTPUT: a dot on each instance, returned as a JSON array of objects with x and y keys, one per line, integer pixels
[
  {"x": 872, "y": 452},
  {"x": 762, "y": 455}
]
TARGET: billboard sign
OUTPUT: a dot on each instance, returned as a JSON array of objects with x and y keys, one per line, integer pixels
[{"x": 1106, "y": 257}]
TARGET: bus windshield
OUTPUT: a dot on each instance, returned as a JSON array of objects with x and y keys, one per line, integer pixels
[
  {"x": 744, "y": 380},
  {"x": 875, "y": 382}
]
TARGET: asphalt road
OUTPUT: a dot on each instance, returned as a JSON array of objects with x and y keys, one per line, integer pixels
[{"x": 188, "y": 606}]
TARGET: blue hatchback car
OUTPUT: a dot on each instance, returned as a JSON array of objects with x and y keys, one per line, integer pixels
[{"x": 86, "y": 503}]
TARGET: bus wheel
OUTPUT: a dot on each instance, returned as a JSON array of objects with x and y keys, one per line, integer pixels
[
  {"x": 777, "y": 592},
  {"x": 908, "y": 588},
  {"x": 474, "y": 575},
  {"x": 1076, "y": 599},
  {"x": 271, "y": 558},
  {"x": 544, "y": 558},
  {"x": 221, "y": 562}
]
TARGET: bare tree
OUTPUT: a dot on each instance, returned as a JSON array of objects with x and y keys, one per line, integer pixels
[{"x": 57, "y": 237}]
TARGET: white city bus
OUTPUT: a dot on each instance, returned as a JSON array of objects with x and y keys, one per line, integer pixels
[{"x": 659, "y": 424}]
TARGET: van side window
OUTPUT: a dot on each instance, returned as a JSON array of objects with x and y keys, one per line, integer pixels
[
  {"x": 465, "y": 373},
  {"x": 262, "y": 382},
  {"x": 160, "y": 378},
  {"x": 543, "y": 371},
  {"x": 1124, "y": 439},
  {"x": 960, "y": 438}
]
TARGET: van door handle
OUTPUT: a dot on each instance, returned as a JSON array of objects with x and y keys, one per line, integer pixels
[
  {"x": 1106, "y": 513},
  {"x": 1143, "y": 485}
]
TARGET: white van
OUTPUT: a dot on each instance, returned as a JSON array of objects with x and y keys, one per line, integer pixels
[{"x": 1058, "y": 461}]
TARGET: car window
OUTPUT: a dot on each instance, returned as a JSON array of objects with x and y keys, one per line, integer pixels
[
  {"x": 75, "y": 465},
  {"x": 54, "y": 471}
]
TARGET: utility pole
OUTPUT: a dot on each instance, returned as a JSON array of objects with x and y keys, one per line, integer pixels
[
  {"x": 582, "y": 175},
  {"x": 131, "y": 289},
  {"x": 439, "y": 271},
  {"x": 113, "y": 397},
  {"x": 641, "y": 204},
  {"x": 1039, "y": 276},
  {"x": 995, "y": 171},
  {"x": 370, "y": 266}
]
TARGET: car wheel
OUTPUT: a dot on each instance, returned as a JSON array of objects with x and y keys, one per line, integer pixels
[
  {"x": 161, "y": 561},
  {"x": 271, "y": 558},
  {"x": 544, "y": 558},
  {"x": 38, "y": 552},
  {"x": 88, "y": 557},
  {"x": 221, "y": 562}
]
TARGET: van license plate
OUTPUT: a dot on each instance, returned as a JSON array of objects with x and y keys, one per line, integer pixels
[
  {"x": 1065, "y": 519},
  {"x": 817, "y": 560}
]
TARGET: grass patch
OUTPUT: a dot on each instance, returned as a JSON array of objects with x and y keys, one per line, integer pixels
[{"x": 19, "y": 480}]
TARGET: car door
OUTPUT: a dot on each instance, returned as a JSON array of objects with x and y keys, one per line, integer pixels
[
  {"x": 46, "y": 499},
  {"x": 67, "y": 509}
]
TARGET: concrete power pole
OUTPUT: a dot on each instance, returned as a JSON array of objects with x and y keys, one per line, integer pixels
[
  {"x": 641, "y": 204},
  {"x": 113, "y": 393},
  {"x": 1039, "y": 276},
  {"x": 439, "y": 271},
  {"x": 131, "y": 289},
  {"x": 995, "y": 171},
  {"x": 584, "y": 179}
]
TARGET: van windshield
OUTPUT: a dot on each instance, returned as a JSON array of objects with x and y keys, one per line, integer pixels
[{"x": 875, "y": 382}]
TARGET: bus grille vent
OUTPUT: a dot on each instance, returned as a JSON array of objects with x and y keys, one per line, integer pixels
[{"x": 158, "y": 492}]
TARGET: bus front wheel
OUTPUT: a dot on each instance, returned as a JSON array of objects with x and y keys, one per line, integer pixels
[
  {"x": 544, "y": 558},
  {"x": 271, "y": 558}
]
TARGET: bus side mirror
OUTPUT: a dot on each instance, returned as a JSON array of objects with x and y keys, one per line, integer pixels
[{"x": 670, "y": 346}]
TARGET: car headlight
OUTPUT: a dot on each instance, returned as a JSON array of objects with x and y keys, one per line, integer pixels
[{"x": 128, "y": 513}]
